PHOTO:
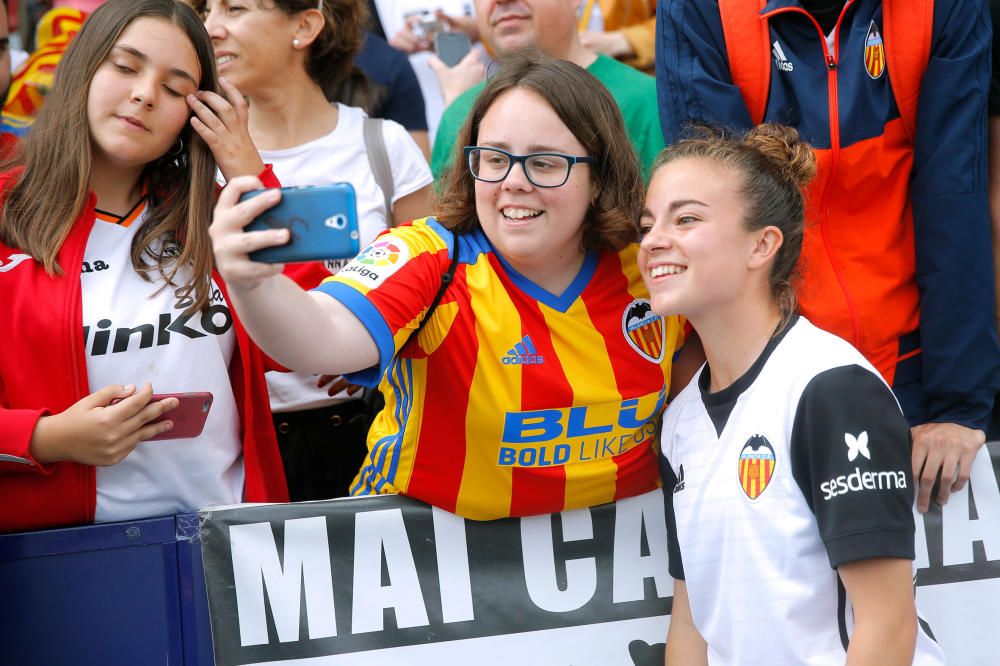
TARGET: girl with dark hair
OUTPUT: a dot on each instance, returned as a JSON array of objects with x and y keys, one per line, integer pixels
[
  {"x": 290, "y": 57},
  {"x": 511, "y": 337},
  {"x": 786, "y": 460},
  {"x": 107, "y": 279}
]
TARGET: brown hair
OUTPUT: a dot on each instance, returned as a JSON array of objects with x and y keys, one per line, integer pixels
[
  {"x": 586, "y": 107},
  {"x": 46, "y": 198},
  {"x": 775, "y": 165},
  {"x": 331, "y": 55}
]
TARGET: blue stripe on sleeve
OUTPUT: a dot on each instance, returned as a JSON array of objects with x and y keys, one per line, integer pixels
[{"x": 377, "y": 327}]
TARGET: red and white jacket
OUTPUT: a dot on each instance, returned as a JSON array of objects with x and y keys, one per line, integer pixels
[{"x": 43, "y": 371}]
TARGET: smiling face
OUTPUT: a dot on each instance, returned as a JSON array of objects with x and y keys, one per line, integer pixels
[
  {"x": 548, "y": 25},
  {"x": 696, "y": 253},
  {"x": 253, "y": 44},
  {"x": 538, "y": 230},
  {"x": 135, "y": 102}
]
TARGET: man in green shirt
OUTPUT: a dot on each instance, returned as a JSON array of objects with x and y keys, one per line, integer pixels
[{"x": 550, "y": 26}]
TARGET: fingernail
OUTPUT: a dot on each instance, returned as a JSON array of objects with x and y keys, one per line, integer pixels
[{"x": 128, "y": 388}]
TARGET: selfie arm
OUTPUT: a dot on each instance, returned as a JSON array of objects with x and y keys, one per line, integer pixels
[
  {"x": 304, "y": 331},
  {"x": 298, "y": 329}
]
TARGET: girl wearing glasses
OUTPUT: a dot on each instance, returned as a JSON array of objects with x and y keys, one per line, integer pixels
[
  {"x": 511, "y": 336},
  {"x": 786, "y": 461}
]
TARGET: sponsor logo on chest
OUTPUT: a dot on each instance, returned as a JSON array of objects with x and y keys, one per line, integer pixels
[{"x": 215, "y": 319}]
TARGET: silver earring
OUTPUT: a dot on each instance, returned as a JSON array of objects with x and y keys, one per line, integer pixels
[
  {"x": 295, "y": 42},
  {"x": 177, "y": 148}
]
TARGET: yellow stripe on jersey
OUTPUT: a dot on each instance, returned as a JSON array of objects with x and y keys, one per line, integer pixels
[
  {"x": 490, "y": 390},
  {"x": 592, "y": 376}
]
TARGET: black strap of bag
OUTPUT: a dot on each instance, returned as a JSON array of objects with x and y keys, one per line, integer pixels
[
  {"x": 371, "y": 395},
  {"x": 446, "y": 279}
]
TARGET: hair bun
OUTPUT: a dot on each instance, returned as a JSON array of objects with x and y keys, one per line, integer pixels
[{"x": 783, "y": 147}]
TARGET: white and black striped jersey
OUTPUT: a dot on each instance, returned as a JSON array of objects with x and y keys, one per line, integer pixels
[{"x": 802, "y": 465}]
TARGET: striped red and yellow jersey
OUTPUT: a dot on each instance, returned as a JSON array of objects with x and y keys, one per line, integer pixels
[{"x": 510, "y": 401}]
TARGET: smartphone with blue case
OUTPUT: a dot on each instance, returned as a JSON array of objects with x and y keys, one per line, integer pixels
[{"x": 323, "y": 221}]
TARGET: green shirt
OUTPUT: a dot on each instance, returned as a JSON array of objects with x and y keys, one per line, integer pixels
[{"x": 634, "y": 91}]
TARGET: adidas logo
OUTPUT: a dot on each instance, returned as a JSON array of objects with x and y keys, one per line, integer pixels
[
  {"x": 523, "y": 353},
  {"x": 679, "y": 486},
  {"x": 779, "y": 58}
]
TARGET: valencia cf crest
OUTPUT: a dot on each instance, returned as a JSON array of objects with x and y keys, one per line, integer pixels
[
  {"x": 874, "y": 52},
  {"x": 756, "y": 466},
  {"x": 644, "y": 330}
]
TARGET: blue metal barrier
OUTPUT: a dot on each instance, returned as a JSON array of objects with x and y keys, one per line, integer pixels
[{"x": 110, "y": 594}]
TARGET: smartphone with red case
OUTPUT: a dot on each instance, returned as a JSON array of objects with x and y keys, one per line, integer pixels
[{"x": 189, "y": 416}]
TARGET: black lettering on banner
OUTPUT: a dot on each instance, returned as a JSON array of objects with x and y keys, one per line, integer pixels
[
  {"x": 963, "y": 537},
  {"x": 328, "y": 578},
  {"x": 362, "y": 574}
]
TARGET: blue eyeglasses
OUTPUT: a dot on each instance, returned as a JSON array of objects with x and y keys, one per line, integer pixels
[{"x": 491, "y": 165}]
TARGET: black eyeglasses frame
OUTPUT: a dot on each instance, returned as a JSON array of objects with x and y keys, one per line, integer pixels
[{"x": 522, "y": 160}]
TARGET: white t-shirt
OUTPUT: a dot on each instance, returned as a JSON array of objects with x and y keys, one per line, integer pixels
[
  {"x": 341, "y": 156},
  {"x": 135, "y": 335},
  {"x": 771, "y": 484},
  {"x": 394, "y": 14}
]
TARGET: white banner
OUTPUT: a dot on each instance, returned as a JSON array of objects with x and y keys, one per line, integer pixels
[{"x": 388, "y": 580}]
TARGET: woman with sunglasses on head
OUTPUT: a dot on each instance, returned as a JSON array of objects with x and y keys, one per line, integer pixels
[
  {"x": 289, "y": 58},
  {"x": 510, "y": 335},
  {"x": 108, "y": 288},
  {"x": 786, "y": 460}
]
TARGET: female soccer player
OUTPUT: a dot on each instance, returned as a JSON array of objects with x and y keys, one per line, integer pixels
[
  {"x": 785, "y": 461},
  {"x": 534, "y": 384},
  {"x": 108, "y": 290},
  {"x": 288, "y": 57}
]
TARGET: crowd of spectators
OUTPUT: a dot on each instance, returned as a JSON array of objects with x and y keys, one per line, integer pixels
[{"x": 502, "y": 345}]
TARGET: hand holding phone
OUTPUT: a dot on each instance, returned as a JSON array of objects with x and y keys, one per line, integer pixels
[
  {"x": 188, "y": 416},
  {"x": 322, "y": 221},
  {"x": 104, "y": 427}
]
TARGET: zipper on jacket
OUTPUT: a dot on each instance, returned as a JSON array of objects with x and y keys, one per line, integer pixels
[{"x": 834, "y": 112}]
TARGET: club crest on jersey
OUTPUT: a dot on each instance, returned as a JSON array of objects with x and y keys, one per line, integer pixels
[
  {"x": 377, "y": 262},
  {"x": 756, "y": 468},
  {"x": 874, "y": 52},
  {"x": 644, "y": 330}
]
